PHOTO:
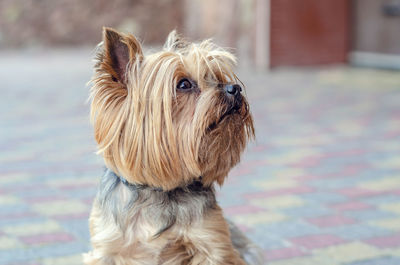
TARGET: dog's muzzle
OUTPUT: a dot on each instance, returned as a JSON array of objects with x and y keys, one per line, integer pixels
[{"x": 232, "y": 91}]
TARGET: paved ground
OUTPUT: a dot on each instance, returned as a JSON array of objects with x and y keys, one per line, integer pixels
[{"x": 321, "y": 185}]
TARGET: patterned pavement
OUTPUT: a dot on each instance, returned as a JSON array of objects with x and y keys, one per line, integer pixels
[{"x": 320, "y": 185}]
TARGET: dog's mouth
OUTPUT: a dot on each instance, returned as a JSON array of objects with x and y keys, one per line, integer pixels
[{"x": 231, "y": 111}]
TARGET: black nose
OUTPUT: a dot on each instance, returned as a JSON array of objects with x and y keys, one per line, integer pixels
[{"x": 234, "y": 89}]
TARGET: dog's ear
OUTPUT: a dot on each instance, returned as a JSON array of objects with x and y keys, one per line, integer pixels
[
  {"x": 119, "y": 50},
  {"x": 175, "y": 42}
]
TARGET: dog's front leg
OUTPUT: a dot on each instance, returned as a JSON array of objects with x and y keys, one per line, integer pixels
[{"x": 212, "y": 241}]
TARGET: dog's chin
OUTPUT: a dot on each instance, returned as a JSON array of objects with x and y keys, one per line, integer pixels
[{"x": 227, "y": 115}]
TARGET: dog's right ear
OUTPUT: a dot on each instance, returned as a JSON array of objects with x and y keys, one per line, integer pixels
[{"x": 119, "y": 51}]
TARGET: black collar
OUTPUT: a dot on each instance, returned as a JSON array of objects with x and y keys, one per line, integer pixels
[{"x": 195, "y": 185}]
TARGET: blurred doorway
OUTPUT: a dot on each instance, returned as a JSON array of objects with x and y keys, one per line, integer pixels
[{"x": 376, "y": 33}]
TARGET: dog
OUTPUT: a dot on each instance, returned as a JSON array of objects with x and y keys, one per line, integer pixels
[{"x": 170, "y": 125}]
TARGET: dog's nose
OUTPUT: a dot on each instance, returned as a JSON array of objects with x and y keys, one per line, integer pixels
[{"x": 234, "y": 89}]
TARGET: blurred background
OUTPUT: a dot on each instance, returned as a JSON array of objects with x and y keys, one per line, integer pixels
[
  {"x": 321, "y": 183},
  {"x": 266, "y": 33}
]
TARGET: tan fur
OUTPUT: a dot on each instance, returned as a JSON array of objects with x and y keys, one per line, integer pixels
[{"x": 152, "y": 134}]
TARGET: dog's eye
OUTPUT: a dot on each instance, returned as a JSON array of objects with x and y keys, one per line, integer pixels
[{"x": 184, "y": 84}]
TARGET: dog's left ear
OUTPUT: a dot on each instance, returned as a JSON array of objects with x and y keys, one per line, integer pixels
[
  {"x": 175, "y": 42},
  {"x": 119, "y": 51}
]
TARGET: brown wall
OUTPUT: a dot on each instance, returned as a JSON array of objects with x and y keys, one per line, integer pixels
[
  {"x": 309, "y": 31},
  {"x": 25, "y": 23}
]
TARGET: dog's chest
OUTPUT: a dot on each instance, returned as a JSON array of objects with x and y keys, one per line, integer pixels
[
  {"x": 151, "y": 224},
  {"x": 145, "y": 214}
]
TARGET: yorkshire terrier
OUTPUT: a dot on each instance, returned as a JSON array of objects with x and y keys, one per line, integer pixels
[{"x": 169, "y": 125}]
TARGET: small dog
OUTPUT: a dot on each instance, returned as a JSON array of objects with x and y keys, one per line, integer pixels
[{"x": 169, "y": 125}]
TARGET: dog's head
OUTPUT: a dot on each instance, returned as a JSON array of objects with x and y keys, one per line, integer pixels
[{"x": 166, "y": 118}]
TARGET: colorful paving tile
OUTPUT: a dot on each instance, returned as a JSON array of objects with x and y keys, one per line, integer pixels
[{"x": 319, "y": 186}]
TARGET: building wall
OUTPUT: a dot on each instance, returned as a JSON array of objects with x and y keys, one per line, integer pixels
[
  {"x": 375, "y": 27},
  {"x": 309, "y": 32},
  {"x": 26, "y": 23}
]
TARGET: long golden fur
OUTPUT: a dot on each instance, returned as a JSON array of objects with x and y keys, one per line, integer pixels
[{"x": 161, "y": 140}]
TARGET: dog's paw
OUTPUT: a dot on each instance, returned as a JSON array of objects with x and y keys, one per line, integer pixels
[{"x": 253, "y": 255}]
